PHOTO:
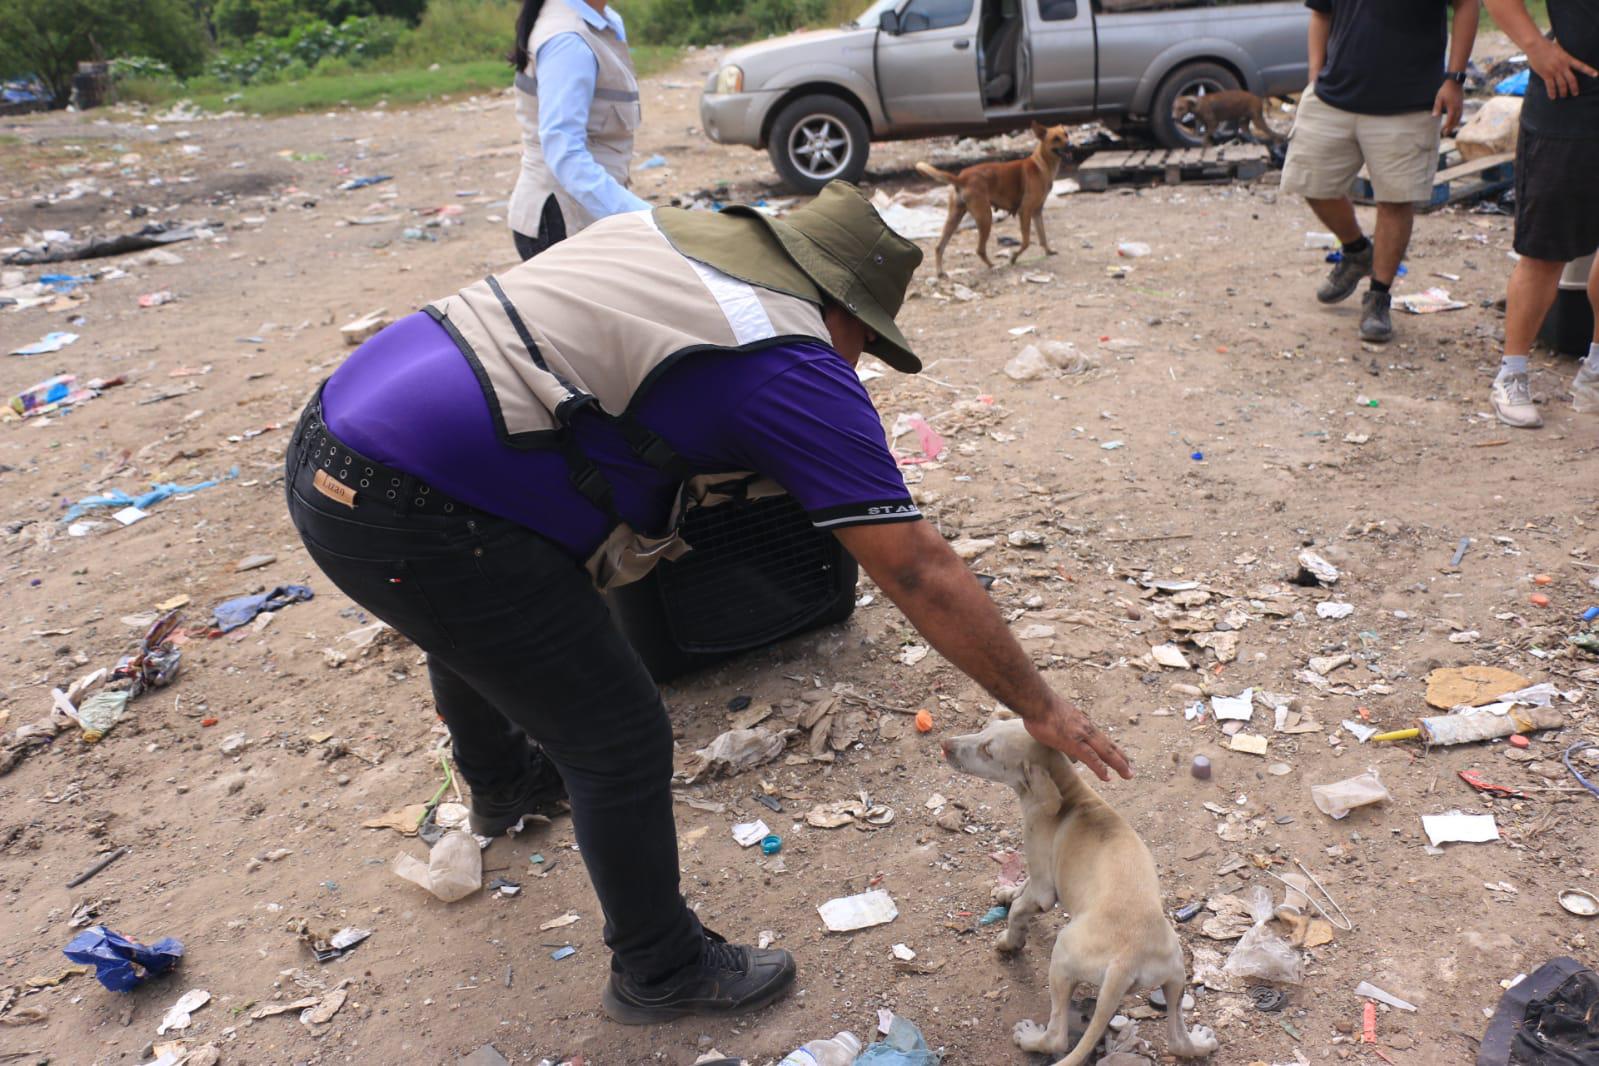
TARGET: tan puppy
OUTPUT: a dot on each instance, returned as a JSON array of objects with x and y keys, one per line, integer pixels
[
  {"x": 1082, "y": 853},
  {"x": 1020, "y": 186},
  {"x": 1231, "y": 105}
]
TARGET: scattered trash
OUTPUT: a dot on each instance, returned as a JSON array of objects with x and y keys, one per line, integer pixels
[
  {"x": 254, "y": 562},
  {"x": 1170, "y": 655},
  {"x": 98, "y": 714},
  {"x": 902, "y": 1045},
  {"x": 1583, "y": 904},
  {"x": 1455, "y": 827},
  {"x": 652, "y": 163},
  {"x": 1200, "y": 768},
  {"x": 150, "y": 236},
  {"x": 1371, "y": 991},
  {"x": 325, "y": 1008},
  {"x": 54, "y": 394},
  {"x": 50, "y": 342},
  {"x": 1468, "y": 728},
  {"x": 1315, "y": 240},
  {"x": 1334, "y": 609},
  {"x": 1132, "y": 249},
  {"x": 1429, "y": 302},
  {"x": 849, "y": 913},
  {"x": 365, "y": 327},
  {"x": 1319, "y": 570},
  {"x": 997, "y": 913},
  {"x": 1515, "y": 85},
  {"x": 748, "y": 834},
  {"x": 559, "y": 923},
  {"x": 840, "y": 1050},
  {"x": 177, "y": 1016},
  {"x": 903, "y": 953},
  {"x": 924, "y": 721},
  {"x": 156, "y": 299},
  {"x": 1261, "y": 953},
  {"x": 563, "y": 953},
  {"x": 1339, "y": 798},
  {"x": 771, "y": 844},
  {"x": 119, "y": 963},
  {"x": 734, "y": 752},
  {"x": 326, "y": 948},
  {"x": 1545, "y": 1019},
  {"x": 158, "y": 492},
  {"x": 362, "y": 183},
  {"x": 231, "y": 614},
  {"x": 1470, "y": 686},
  {"x": 454, "y": 869},
  {"x": 97, "y": 867}
]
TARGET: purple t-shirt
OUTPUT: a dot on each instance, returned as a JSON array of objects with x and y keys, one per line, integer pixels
[{"x": 795, "y": 413}]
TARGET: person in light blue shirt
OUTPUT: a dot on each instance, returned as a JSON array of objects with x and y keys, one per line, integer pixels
[{"x": 577, "y": 102}]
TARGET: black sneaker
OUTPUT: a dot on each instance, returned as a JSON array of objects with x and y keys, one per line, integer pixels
[
  {"x": 1376, "y": 325},
  {"x": 1345, "y": 276},
  {"x": 539, "y": 791},
  {"x": 728, "y": 979}
]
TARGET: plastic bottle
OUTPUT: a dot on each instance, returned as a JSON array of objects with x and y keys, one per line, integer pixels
[{"x": 841, "y": 1050}]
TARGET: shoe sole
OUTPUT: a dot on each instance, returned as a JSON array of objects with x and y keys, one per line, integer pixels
[
  {"x": 635, "y": 1014},
  {"x": 1376, "y": 338},
  {"x": 493, "y": 827}
]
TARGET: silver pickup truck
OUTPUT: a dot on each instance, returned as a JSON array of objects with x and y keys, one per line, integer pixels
[{"x": 917, "y": 68}]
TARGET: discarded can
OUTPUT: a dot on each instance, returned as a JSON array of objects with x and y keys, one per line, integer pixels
[
  {"x": 771, "y": 844},
  {"x": 1188, "y": 910},
  {"x": 1200, "y": 768}
]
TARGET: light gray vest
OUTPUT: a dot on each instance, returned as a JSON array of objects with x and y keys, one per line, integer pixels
[
  {"x": 590, "y": 323},
  {"x": 613, "y": 117}
]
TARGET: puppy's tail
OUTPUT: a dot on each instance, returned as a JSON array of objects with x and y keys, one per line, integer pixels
[
  {"x": 930, "y": 171},
  {"x": 1117, "y": 983}
]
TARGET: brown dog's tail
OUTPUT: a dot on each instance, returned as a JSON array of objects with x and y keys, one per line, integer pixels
[
  {"x": 928, "y": 170},
  {"x": 1117, "y": 983}
]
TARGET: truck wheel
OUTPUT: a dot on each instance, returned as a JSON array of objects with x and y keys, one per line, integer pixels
[
  {"x": 1194, "y": 79},
  {"x": 817, "y": 139}
]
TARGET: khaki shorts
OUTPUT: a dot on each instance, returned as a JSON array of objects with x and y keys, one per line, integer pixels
[{"x": 1328, "y": 146}]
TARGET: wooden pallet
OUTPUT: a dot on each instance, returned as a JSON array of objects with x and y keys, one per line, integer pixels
[
  {"x": 1457, "y": 184},
  {"x": 1222, "y": 162}
]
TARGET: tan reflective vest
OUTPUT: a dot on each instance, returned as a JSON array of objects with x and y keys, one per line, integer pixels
[
  {"x": 590, "y": 324},
  {"x": 613, "y": 117}
]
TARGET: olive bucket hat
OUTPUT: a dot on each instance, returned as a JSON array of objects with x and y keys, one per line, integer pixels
[{"x": 836, "y": 246}]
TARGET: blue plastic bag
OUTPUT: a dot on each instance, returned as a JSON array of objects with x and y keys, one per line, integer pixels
[
  {"x": 903, "y": 1046},
  {"x": 1515, "y": 85},
  {"x": 231, "y": 614},
  {"x": 119, "y": 963}
]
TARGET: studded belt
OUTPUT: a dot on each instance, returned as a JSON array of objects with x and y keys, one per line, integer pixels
[{"x": 346, "y": 476}]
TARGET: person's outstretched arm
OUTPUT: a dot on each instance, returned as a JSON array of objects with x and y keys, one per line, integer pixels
[{"x": 567, "y": 72}]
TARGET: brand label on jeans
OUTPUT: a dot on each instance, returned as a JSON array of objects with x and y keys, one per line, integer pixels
[{"x": 333, "y": 489}]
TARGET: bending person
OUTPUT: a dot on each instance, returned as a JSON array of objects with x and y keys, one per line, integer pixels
[
  {"x": 473, "y": 473},
  {"x": 577, "y": 102}
]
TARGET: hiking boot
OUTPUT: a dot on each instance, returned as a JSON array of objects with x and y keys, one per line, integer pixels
[
  {"x": 1585, "y": 390},
  {"x": 727, "y": 979},
  {"x": 1375, "y": 324},
  {"x": 539, "y": 790},
  {"x": 1345, "y": 276},
  {"x": 1512, "y": 401}
]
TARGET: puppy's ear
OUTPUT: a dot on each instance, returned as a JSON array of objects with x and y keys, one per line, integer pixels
[
  {"x": 1040, "y": 130},
  {"x": 1039, "y": 787}
]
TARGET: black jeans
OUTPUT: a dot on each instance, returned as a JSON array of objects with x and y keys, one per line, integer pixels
[
  {"x": 552, "y": 230},
  {"x": 518, "y": 641}
]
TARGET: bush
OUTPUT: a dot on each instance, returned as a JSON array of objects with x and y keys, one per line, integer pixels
[
  {"x": 48, "y": 38},
  {"x": 358, "y": 40},
  {"x": 458, "y": 31},
  {"x": 719, "y": 21}
]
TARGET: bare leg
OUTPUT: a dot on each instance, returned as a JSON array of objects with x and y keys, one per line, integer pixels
[
  {"x": 1394, "y": 222},
  {"x": 1593, "y": 296},
  {"x": 1339, "y": 216},
  {"x": 952, "y": 221},
  {"x": 1528, "y": 298}
]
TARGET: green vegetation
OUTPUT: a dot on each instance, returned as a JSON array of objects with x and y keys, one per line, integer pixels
[
  {"x": 1538, "y": 9},
  {"x": 273, "y": 56}
]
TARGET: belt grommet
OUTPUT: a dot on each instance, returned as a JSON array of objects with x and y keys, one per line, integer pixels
[
  {"x": 420, "y": 502},
  {"x": 365, "y": 484},
  {"x": 344, "y": 475},
  {"x": 392, "y": 494},
  {"x": 369, "y": 471},
  {"x": 394, "y": 481},
  {"x": 449, "y": 507}
]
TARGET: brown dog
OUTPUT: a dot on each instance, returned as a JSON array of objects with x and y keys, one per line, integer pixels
[
  {"x": 1019, "y": 186},
  {"x": 1231, "y": 105}
]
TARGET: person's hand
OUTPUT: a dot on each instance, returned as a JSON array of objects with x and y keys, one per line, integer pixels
[
  {"x": 1066, "y": 728},
  {"x": 1557, "y": 67},
  {"x": 1450, "y": 101}
]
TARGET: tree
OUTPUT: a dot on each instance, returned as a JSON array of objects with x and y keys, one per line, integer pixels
[{"x": 48, "y": 38}]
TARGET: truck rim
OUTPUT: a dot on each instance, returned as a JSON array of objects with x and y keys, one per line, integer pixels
[{"x": 819, "y": 146}]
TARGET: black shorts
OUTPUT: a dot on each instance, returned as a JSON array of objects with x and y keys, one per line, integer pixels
[{"x": 1557, "y": 197}]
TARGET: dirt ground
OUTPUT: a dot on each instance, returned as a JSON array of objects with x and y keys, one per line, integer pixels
[{"x": 1248, "y": 423}]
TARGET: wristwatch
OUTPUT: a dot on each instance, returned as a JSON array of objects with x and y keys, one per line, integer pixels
[{"x": 1456, "y": 76}]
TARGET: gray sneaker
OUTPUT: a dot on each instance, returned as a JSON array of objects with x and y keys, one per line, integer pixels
[
  {"x": 1345, "y": 276},
  {"x": 1511, "y": 397},
  {"x": 1375, "y": 324}
]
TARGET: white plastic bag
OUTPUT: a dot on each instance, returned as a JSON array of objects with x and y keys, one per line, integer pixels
[
  {"x": 454, "y": 869},
  {"x": 1339, "y": 798},
  {"x": 1261, "y": 953}
]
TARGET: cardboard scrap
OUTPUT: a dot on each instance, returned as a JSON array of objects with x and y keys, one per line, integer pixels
[{"x": 1470, "y": 686}]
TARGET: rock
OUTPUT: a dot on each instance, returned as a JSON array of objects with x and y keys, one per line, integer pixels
[
  {"x": 1326, "y": 664},
  {"x": 970, "y": 547},
  {"x": 254, "y": 562},
  {"x": 1036, "y": 631},
  {"x": 952, "y": 820},
  {"x": 1318, "y": 568},
  {"x": 1027, "y": 365},
  {"x": 1025, "y": 538},
  {"x": 1334, "y": 609},
  {"x": 234, "y": 743},
  {"x": 1170, "y": 655}
]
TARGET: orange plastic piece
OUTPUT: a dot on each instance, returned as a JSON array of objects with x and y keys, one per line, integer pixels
[
  {"x": 1368, "y": 1026},
  {"x": 924, "y": 721},
  {"x": 1542, "y": 579},
  {"x": 1539, "y": 600},
  {"x": 208, "y": 721},
  {"x": 1519, "y": 741}
]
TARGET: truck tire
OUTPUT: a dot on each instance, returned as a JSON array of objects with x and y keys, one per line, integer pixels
[
  {"x": 817, "y": 139},
  {"x": 1191, "y": 79}
]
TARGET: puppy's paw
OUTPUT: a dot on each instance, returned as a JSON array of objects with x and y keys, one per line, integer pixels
[
  {"x": 1011, "y": 941},
  {"x": 1005, "y": 895},
  {"x": 1030, "y": 1036},
  {"x": 1201, "y": 1042}
]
